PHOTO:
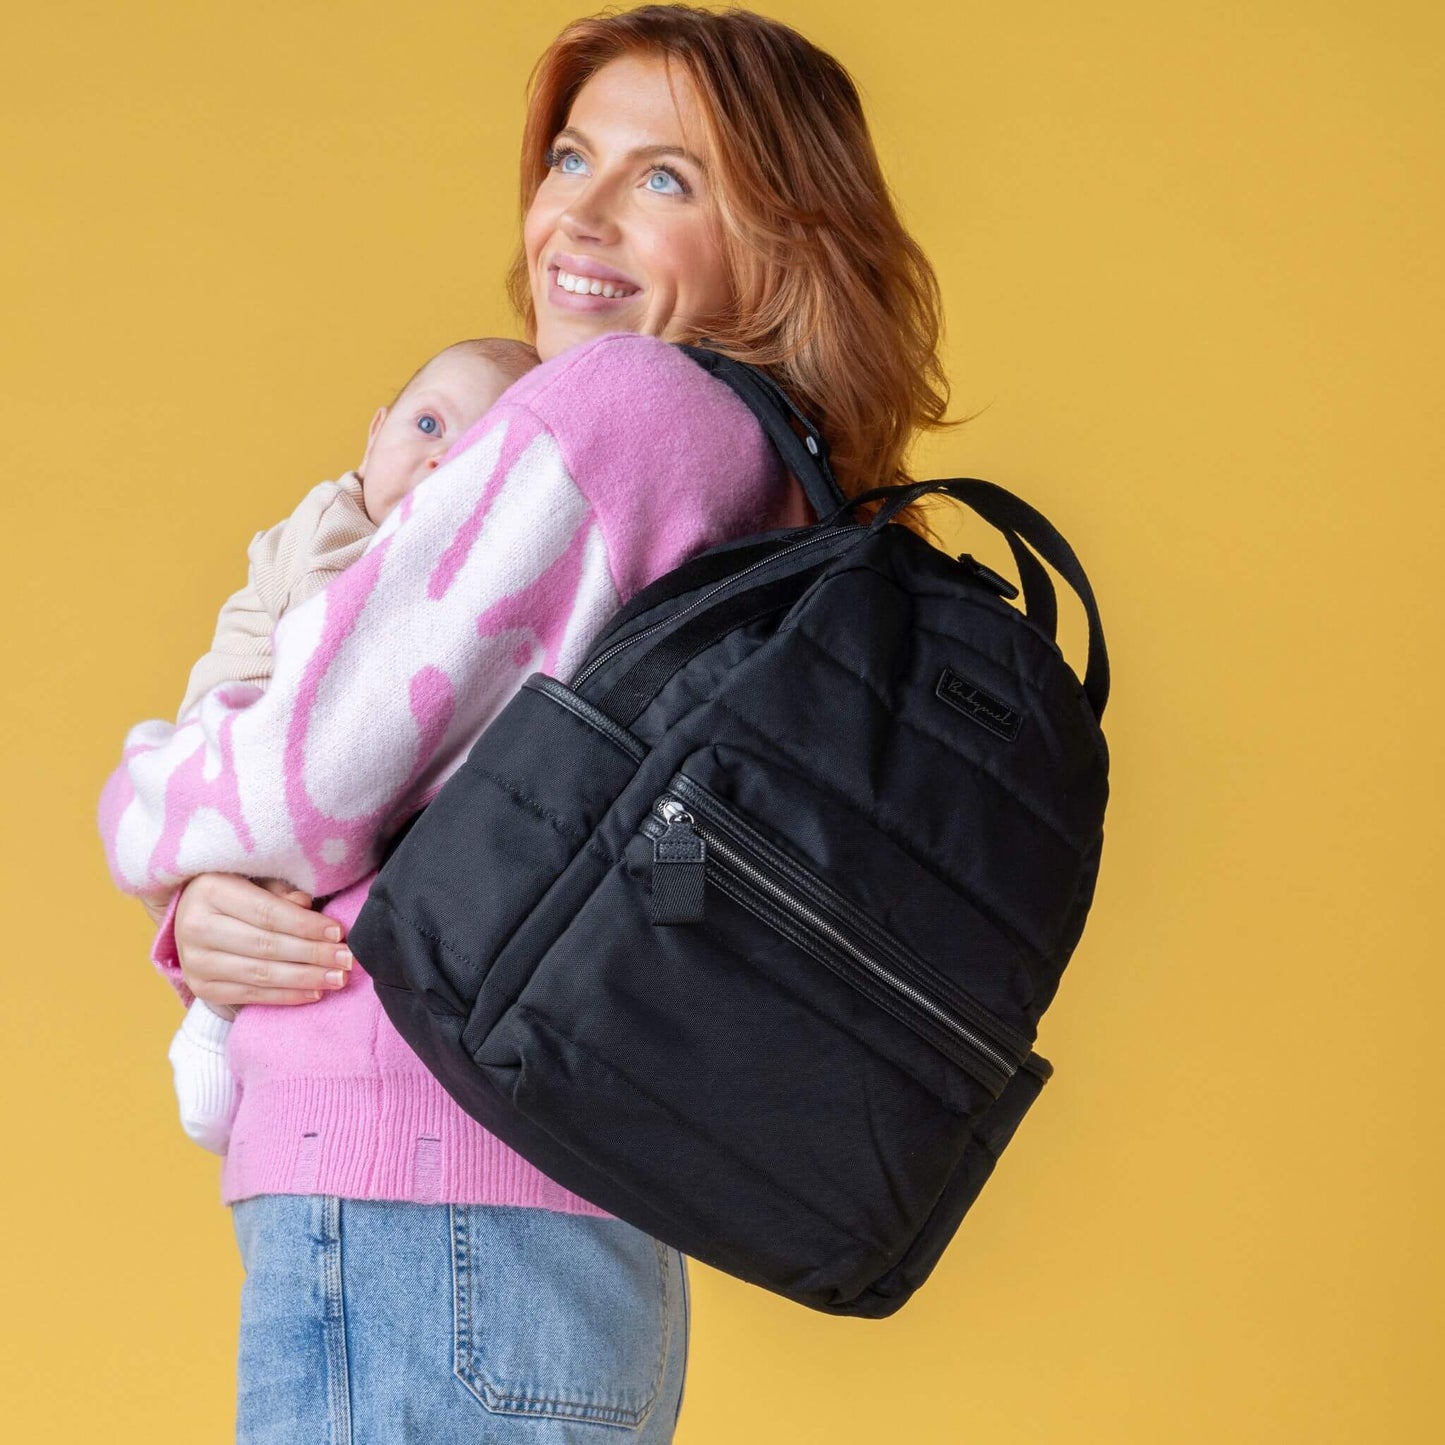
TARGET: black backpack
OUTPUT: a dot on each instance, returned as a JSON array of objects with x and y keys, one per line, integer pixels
[{"x": 744, "y": 932}]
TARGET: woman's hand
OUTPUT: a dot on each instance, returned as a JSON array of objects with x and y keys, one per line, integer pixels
[
  {"x": 243, "y": 942},
  {"x": 156, "y": 905}
]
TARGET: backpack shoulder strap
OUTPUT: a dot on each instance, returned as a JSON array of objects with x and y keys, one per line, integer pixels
[{"x": 806, "y": 457}]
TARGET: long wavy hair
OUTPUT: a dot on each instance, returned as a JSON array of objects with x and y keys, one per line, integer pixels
[{"x": 832, "y": 296}]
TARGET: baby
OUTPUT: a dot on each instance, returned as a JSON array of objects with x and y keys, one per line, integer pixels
[{"x": 296, "y": 558}]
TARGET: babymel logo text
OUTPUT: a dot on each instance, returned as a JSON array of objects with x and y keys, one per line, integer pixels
[{"x": 983, "y": 707}]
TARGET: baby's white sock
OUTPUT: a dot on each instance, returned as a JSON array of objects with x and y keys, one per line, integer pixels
[{"x": 205, "y": 1089}]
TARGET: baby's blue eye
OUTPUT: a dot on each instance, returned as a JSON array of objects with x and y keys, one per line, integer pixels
[{"x": 429, "y": 424}]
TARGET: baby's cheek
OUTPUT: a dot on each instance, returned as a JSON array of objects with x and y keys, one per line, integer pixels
[
  {"x": 380, "y": 502},
  {"x": 386, "y": 512}
]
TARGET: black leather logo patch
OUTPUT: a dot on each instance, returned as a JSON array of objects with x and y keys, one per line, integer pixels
[{"x": 983, "y": 707}]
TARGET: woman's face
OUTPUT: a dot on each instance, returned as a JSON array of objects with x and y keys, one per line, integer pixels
[{"x": 626, "y": 203}]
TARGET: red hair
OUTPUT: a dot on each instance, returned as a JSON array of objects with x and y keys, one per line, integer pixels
[{"x": 831, "y": 294}]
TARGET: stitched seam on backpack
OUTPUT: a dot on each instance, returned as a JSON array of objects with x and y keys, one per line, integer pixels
[
  {"x": 929, "y": 865},
  {"x": 866, "y": 1044},
  {"x": 547, "y": 1023},
  {"x": 1096, "y": 741},
  {"x": 407, "y": 989},
  {"x": 570, "y": 705},
  {"x": 954, "y": 640},
  {"x": 823, "y": 893},
  {"x": 953, "y": 600},
  {"x": 1096, "y": 738},
  {"x": 1030, "y": 808},
  {"x": 947, "y": 745},
  {"x": 455, "y": 954},
  {"x": 521, "y": 917},
  {"x": 441, "y": 943},
  {"x": 531, "y": 805}
]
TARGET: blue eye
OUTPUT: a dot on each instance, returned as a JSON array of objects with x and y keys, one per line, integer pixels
[
  {"x": 558, "y": 156},
  {"x": 661, "y": 191},
  {"x": 423, "y": 420}
]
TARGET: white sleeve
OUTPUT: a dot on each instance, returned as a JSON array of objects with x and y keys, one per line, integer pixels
[{"x": 205, "y": 1089}]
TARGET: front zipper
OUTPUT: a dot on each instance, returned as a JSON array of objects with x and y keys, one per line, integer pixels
[
  {"x": 712, "y": 591},
  {"x": 685, "y": 848}
]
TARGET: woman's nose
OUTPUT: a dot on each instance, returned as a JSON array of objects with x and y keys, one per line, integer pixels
[{"x": 590, "y": 216}]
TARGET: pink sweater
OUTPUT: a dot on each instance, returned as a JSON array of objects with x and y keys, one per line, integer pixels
[{"x": 594, "y": 473}]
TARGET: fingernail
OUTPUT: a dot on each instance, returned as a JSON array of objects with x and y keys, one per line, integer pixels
[
  {"x": 334, "y": 934},
  {"x": 334, "y": 978},
  {"x": 343, "y": 957}
]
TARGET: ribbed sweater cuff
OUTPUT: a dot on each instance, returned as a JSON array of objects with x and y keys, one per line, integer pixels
[
  {"x": 164, "y": 955},
  {"x": 205, "y": 1090},
  {"x": 206, "y": 1028}
]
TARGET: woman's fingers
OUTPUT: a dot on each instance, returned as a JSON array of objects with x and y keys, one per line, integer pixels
[
  {"x": 265, "y": 905},
  {"x": 241, "y": 942},
  {"x": 265, "y": 947},
  {"x": 275, "y": 905},
  {"x": 213, "y": 980}
]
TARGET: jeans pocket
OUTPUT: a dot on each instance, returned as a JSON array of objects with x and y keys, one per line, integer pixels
[{"x": 560, "y": 1316}]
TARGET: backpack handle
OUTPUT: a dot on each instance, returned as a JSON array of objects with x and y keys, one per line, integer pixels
[
  {"x": 806, "y": 457},
  {"x": 1015, "y": 519}
]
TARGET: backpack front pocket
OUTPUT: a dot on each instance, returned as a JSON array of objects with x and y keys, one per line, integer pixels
[
  {"x": 698, "y": 835},
  {"x": 781, "y": 1071}
]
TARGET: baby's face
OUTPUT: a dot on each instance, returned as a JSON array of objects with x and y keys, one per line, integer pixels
[{"x": 408, "y": 440}]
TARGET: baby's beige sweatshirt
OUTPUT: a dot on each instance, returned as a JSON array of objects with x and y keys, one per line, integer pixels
[{"x": 326, "y": 533}]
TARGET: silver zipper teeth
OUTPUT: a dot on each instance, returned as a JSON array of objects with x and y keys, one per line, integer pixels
[
  {"x": 791, "y": 904},
  {"x": 672, "y": 617}
]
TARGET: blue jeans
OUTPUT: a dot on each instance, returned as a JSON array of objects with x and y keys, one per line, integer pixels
[{"x": 377, "y": 1322}]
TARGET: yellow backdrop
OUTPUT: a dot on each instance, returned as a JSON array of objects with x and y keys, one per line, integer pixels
[{"x": 1191, "y": 263}]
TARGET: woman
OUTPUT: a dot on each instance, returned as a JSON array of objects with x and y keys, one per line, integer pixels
[{"x": 685, "y": 175}]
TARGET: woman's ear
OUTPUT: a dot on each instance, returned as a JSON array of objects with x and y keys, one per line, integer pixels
[{"x": 376, "y": 422}]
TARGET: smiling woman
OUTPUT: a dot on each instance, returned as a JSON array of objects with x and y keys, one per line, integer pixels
[
  {"x": 601, "y": 221},
  {"x": 685, "y": 174},
  {"x": 721, "y": 170}
]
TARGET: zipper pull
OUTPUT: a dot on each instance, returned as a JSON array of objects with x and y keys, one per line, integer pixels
[{"x": 679, "y": 859}]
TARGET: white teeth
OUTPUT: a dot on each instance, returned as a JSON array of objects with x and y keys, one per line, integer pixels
[{"x": 586, "y": 286}]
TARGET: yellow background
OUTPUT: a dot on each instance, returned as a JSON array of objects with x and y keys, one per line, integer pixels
[{"x": 1191, "y": 261}]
